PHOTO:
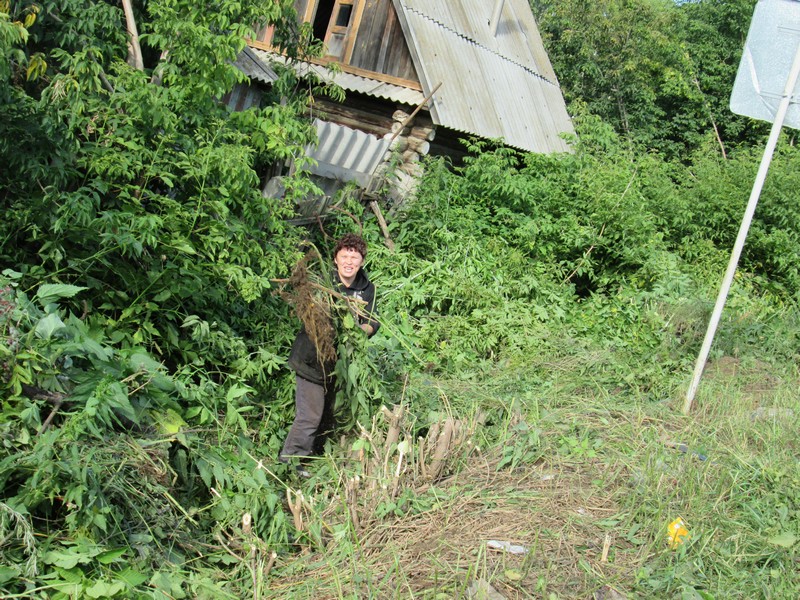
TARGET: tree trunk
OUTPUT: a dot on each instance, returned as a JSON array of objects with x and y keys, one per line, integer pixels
[{"x": 134, "y": 50}]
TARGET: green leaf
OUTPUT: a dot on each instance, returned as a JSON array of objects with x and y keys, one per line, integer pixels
[
  {"x": 100, "y": 520},
  {"x": 50, "y": 292},
  {"x": 237, "y": 391},
  {"x": 141, "y": 361},
  {"x": 785, "y": 540},
  {"x": 101, "y": 589},
  {"x": 12, "y": 274},
  {"x": 168, "y": 421},
  {"x": 106, "y": 558},
  {"x": 48, "y": 325},
  {"x": 131, "y": 577},
  {"x": 64, "y": 560},
  {"x": 7, "y": 573},
  {"x": 163, "y": 295},
  {"x": 352, "y": 373}
]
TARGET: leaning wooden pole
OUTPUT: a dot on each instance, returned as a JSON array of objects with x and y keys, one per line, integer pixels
[{"x": 387, "y": 238}]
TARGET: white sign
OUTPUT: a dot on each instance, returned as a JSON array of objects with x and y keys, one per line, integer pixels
[{"x": 772, "y": 43}]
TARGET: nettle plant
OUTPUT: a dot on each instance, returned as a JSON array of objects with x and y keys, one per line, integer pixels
[
  {"x": 143, "y": 347},
  {"x": 106, "y": 475}
]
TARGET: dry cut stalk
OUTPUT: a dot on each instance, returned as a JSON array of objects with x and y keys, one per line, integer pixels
[
  {"x": 351, "y": 497},
  {"x": 442, "y": 447},
  {"x": 395, "y": 419},
  {"x": 296, "y": 507}
]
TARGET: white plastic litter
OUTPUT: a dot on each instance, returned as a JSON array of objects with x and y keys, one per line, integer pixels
[{"x": 507, "y": 546}]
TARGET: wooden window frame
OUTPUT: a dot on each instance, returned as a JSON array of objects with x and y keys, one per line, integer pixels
[{"x": 348, "y": 33}]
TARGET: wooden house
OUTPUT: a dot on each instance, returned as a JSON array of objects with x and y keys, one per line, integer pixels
[{"x": 418, "y": 76}]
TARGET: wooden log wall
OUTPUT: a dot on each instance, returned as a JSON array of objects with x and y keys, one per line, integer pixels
[{"x": 410, "y": 139}]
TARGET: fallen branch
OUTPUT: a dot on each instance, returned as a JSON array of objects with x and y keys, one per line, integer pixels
[{"x": 55, "y": 398}]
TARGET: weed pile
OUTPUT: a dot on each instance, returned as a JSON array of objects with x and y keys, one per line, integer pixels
[{"x": 312, "y": 306}]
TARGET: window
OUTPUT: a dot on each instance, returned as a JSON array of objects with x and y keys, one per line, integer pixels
[
  {"x": 331, "y": 24},
  {"x": 322, "y": 18}
]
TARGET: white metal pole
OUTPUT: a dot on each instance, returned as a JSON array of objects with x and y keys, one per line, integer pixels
[{"x": 777, "y": 124}]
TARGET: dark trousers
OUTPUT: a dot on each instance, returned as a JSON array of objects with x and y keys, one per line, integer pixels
[{"x": 313, "y": 418}]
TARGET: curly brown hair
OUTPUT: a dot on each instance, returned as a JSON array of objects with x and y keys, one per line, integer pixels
[{"x": 351, "y": 241}]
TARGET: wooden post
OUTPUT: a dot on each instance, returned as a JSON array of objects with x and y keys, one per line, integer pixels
[{"x": 373, "y": 203}]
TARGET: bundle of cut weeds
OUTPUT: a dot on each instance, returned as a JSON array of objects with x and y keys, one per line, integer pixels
[{"x": 310, "y": 294}]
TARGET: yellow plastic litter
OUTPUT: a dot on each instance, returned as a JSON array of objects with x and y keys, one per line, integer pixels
[{"x": 677, "y": 533}]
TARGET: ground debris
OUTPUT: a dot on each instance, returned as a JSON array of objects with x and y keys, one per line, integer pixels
[
  {"x": 608, "y": 593},
  {"x": 483, "y": 590},
  {"x": 507, "y": 546},
  {"x": 764, "y": 412}
]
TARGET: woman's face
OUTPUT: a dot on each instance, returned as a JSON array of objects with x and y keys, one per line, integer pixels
[{"x": 348, "y": 262}]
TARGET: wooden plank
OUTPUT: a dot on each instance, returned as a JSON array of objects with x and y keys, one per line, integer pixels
[
  {"x": 407, "y": 83},
  {"x": 398, "y": 55},
  {"x": 305, "y": 9},
  {"x": 370, "y": 38},
  {"x": 391, "y": 20},
  {"x": 354, "y": 117},
  {"x": 355, "y": 25}
]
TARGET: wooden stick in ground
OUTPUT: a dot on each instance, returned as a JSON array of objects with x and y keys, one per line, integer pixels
[
  {"x": 393, "y": 417},
  {"x": 442, "y": 448},
  {"x": 387, "y": 239},
  {"x": 273, "y": 555}
]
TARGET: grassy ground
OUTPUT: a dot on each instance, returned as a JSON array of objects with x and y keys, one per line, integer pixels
[{"x": 584, "y": 479}]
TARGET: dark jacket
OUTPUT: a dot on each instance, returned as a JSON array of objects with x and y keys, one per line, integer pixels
[{"x": 303, "y": 359}]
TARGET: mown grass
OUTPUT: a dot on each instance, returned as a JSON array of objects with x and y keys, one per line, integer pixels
[{"x": 586, "y": 477}]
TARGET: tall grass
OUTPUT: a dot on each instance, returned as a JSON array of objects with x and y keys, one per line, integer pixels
[{"x": 586, "y": 476}]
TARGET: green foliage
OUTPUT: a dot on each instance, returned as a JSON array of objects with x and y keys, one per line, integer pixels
[
  {"x": 106, "y": 455},
  {"x": 660, "y": 73},
  {"x": 141, "y": 343},
  {"x": 142, "y": 350},
  {"x": 714, "y": 34}
]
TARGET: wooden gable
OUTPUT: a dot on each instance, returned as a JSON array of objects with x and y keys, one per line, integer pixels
[
  {"x": 362, "y": 36},
  {"x": 475, "y": 67}
]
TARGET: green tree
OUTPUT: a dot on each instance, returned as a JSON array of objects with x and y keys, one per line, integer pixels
[
  {"x": 137, "y": 251},
  {"x": 715, "y": 32},
  {"x": 660, "y": 72},
  {"x": 139, "y": 184}
]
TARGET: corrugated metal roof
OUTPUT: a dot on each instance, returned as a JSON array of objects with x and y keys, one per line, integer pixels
[
  {"x": 346, "y": 154},
  {"x": 249, "y": 64},
  {"x": 242, "y": 97},
  {"x": 517, "y": 36},
  {"x": 494, "y": 87},
  {"x": 348, "y": 81}
]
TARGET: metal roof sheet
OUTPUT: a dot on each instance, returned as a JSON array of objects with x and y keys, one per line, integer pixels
[
  {"x": 346, "y": 154},
  {"x": 517, "y": 38},
  {"x": 242, "y": 97},
  {"x": 348, "y": 81},
  {"x": 249, "y": 64},
  {"x": 494, "y": 87}
]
